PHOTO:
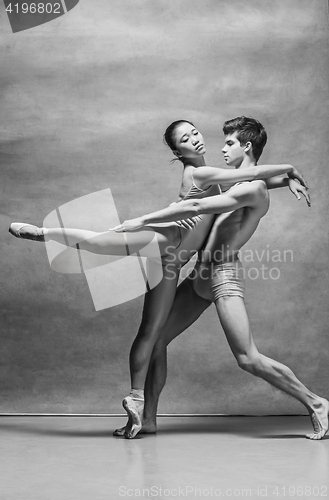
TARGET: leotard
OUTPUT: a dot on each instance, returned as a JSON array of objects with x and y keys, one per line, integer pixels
[{"x": 191, "y": 238}]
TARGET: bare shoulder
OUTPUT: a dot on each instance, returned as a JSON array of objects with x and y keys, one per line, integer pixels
[
  {"x": 250, "y": 187},
  {"x": 255, "y": 193},
  {"x": 258, "y": 186},
  {"x": 260, "y": 197}
]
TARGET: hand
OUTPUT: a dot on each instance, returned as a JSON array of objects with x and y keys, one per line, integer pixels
[
  {"x": 294, "y": 174},
  {"x": 188, "y": 223},
  {"x": 297, "y": 188},
  {"x": 129, "y": 225}
]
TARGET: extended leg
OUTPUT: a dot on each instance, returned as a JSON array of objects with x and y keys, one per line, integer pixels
[
  {"x": 147, "y": 242},
  {"x": 235, "y": 322}
]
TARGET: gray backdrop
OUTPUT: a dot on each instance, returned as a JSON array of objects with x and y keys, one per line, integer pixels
[{"x": 84, "y": 103}]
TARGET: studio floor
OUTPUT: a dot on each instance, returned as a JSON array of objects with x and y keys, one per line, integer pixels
[{"x": 77, "y": 458}]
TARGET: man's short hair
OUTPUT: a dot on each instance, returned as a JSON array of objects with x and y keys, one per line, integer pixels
[{"x": 248, "y": 130}]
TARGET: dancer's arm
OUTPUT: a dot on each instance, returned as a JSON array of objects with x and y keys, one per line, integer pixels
[
  {"x": 295, "y": 187},
  {"x": 277, "y": 182},
  {"x": 241, "y": 196},
  {"x": 207, "y": 176}
]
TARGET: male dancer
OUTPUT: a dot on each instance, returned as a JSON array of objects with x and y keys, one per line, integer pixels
[{"x": 219, "y": 279}]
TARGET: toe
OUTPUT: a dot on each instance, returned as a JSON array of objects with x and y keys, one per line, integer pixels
[{"x": 119, "y": 432}]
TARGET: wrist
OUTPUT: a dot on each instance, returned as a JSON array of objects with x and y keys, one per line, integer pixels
[
  {"x": 292, "y": 172},
  {"x": 256, "y": 172}
]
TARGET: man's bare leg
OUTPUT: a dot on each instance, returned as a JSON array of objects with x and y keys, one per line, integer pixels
[
  {"x": 186, "y": 309},
  {"x": 234, "y": 319}
]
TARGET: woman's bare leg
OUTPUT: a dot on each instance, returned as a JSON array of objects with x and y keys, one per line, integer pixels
[
  {"x": 148, "y": 241},
  {"x": 158, "y": 300},
  {"x": 186, "y": 309},
  {"x": 157, "y": 305}
]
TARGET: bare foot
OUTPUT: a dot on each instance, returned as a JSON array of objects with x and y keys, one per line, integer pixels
[
  {"x": 319, "y": 417},
  {"x": 121, "y": 431},
  {"x": 149, "y": 427}
]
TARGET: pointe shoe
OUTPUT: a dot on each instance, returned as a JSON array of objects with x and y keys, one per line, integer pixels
[
  {"x": 30, "y": 232},
  {"x": 135, "y": 415},
  {"x": 122, "y": 430}
]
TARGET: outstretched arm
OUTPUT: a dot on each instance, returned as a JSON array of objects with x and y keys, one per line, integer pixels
[
  {"x": 277, "y": 182},
  {"x": 295, "y": 187},
  {"x": 206, "y": 176},
  {"x": 241, "y": 196}
]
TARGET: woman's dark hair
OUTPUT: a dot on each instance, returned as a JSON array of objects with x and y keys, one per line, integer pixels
[
  {"x": 169, "y": 135},
  {"x": 248, "y": 130}
]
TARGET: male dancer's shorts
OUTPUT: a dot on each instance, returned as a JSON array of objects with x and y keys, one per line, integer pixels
[{"x": 213, "y": 280}]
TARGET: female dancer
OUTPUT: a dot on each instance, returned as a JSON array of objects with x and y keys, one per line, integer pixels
[{"x": 176, "y": 242}]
